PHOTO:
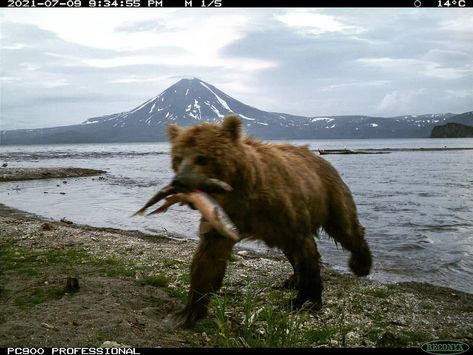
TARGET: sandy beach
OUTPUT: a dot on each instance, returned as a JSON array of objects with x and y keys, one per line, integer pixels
[{"x": 129, "y": 282}]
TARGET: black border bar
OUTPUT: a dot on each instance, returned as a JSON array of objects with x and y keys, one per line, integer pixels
[
  {"x": 201, "y": 351},
  {"x": 440, "y": 4}
]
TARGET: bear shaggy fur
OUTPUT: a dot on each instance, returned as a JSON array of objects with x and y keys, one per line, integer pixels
[{"x": 282, "y": 195}]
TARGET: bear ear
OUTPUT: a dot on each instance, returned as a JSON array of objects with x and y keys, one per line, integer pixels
[
  {"x": 232, "y": 125},
  {"x": 173, "y": 131}
]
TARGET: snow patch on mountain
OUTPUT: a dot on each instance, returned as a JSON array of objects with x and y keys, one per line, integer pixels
[
  {"x": 217, "y": 112},
  {"x": 222, "y": 101},
  {"x": 152, "y": 108},
  {"x": 316, "y": 119},
  {"x": 246, "y": 118}
]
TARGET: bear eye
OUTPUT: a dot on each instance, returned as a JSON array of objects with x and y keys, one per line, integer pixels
[{"x": 201, "y": 160}]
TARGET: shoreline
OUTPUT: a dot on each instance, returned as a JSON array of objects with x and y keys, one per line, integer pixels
[{"x": 130, "y": 281}]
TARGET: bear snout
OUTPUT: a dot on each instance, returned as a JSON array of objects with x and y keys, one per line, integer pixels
[{"x": 183, "y": 183}]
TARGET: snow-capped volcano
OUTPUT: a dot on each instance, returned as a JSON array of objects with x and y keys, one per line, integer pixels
[{"x": 192, "y": 100}]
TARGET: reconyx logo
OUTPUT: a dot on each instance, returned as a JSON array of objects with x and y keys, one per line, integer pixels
[{"x": 451, "y": 347}]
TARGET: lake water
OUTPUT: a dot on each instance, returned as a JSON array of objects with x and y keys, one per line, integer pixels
[{"x": 416, "y": 206}]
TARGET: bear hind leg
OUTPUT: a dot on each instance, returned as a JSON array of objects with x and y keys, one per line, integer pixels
[{"x": 304, "y": 257}]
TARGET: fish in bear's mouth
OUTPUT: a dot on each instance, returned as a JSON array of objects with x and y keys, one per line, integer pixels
[{"x": 210, "y": 210}]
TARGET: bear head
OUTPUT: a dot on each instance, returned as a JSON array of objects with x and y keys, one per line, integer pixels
[{"x": 206, "y": 150}]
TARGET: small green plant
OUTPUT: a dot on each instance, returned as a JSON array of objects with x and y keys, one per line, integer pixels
[
  {"x": 414, "y": 336},
  {"x": 186, "y": 278},
  {"x": 177, "y": 292},
  {"x": 380, "y": 293},
  {"x": 259, "y": 325},
  {"x": 154, "y": 280},
  {"x": 322, "y": 335},
  {"x": 224, "y": 327},
  {"x": 427, "y": 306},
  {"x": 172, "y": 264}
]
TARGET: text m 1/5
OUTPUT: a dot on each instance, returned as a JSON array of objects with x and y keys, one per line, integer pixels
[{"x": 204, "y": 3}]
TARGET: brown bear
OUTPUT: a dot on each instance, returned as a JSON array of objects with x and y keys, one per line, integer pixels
[{"x": 282, "y": 194}]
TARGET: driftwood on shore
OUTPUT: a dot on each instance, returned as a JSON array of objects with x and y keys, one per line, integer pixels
[
  {"x": 348, "y": 151},
  {"x": 386, "y": 150},
  {"x": 17, "y": 174}
]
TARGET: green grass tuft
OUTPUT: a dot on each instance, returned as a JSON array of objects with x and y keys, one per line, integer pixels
[
  {"x": 39, "y": 295},
  {"x": 380, "y": 293},
  {"x": 155, "y": 280}
]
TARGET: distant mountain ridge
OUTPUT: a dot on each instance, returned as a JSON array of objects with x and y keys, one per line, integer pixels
[{"x": 190, "y": 101}]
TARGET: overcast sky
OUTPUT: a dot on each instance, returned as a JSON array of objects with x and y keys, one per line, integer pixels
[{"x": 62, "y": 66}]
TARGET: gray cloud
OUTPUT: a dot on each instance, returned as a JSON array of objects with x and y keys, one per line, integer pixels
[{"x": 398, "y": 64}]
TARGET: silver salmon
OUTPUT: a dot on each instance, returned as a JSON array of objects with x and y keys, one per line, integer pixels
[
  {"x": 208, "y": 208},
  {"x": 165, "y": 191},
  {"x": 209, "y": 185}
]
